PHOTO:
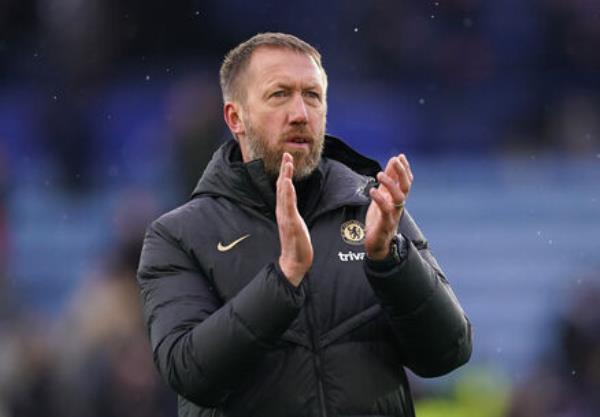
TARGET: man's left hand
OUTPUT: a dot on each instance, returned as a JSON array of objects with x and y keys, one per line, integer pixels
[{"x": 387, "y": 205}]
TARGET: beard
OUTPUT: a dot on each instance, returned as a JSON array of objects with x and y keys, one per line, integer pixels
[{"x": 272, "y": 154}]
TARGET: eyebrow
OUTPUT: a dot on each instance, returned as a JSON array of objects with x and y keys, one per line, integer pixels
[{"x": 288, "y": 85}]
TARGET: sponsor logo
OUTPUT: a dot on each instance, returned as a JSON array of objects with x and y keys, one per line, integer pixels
[
  {"x": 351, "y": 256},
  {"x": 224, "y": 248},
  {"x": 353, "y": 232}
]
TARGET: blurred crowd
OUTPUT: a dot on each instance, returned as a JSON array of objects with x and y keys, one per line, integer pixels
[
  {"x": 566, "y": 381},
  {"x": 443, "y": 76},
  {"x": 98, "y": 96}
]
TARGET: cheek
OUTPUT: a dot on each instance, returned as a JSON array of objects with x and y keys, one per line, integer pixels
[
  {"x": 273, "y": 124},
  {"x": 265, "y": 128},
  {"x": 318, "y": 119}
]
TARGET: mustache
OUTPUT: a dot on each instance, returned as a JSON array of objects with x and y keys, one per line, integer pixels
[{"x": 299, "y": 132}]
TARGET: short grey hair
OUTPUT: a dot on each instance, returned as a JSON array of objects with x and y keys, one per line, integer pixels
[{"x": 236, "y": 61}]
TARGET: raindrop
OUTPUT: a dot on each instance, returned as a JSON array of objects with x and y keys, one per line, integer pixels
[
  {"x": 355, "y": 30},
  {"x": 147, "y": 78},
  {"x": 598, "y": 155},
  {"x": 197, "y": 13},
  {"x": 550, "y": 241},
  {"x": 437, "y": 3},
  {"x": 55, "y": 97},
  {"x": 573, "y": 372},
  {"x": 539, "y": 232},
  {"x": 498, "y": 350},
  {"x": 432, "y": 17},
  {"x": 421, "y": 101}
]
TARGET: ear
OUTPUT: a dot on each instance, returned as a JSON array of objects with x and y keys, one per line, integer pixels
[{"x": 232, "y": 115}]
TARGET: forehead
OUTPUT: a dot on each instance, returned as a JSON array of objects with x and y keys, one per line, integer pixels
[{"x": 273, "y": 64}]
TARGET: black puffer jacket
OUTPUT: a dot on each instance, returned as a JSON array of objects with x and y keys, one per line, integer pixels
[{"x": 234, "y": 338}]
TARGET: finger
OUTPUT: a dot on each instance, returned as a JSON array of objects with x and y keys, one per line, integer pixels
[
  {"x": 401, "y": 175},
  {"x": 384, "y": 204},
  {"x": 286, "y": 193},
  {"x": 289, "y": 194},
  {"x": 392, "y": 187},
  {"x": 404, "y": 161},
  {"x": 389, "y": 168},
  {"x": 286, "y": 170},
  {"x": 286, "y": 210},
  {"x": 392, "y": 168},
  {"x": 390, "y": 171},
  {"x": 282, "y": 164},
  {"x": 289, "y": 188}
]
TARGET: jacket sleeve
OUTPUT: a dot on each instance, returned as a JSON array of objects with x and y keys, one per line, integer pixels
[
  {"x": 433, "y": 332},
  {"x": 201, "y": 346}
]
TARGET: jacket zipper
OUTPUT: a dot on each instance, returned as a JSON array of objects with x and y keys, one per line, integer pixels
[{"x": 311, "y": 317}]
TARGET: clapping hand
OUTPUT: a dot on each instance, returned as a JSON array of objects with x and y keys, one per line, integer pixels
[
  {"x": 296, "y": 248},
  {"x": 385, "y": 210}
]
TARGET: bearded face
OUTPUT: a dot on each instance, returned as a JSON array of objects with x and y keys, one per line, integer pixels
[
  {"x": 307, "y": 153},
  {"x": 284, "y": 110}
]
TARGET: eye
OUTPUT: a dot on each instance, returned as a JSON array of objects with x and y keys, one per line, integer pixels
[
  {"x": 278, "y": 93},
  {"x": 313, "y": 95}
]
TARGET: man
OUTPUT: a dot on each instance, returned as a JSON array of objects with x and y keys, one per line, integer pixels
[{"x": 294, "y": 283}]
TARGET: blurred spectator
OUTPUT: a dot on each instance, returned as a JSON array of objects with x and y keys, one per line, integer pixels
[
  {"x": 105, "y": 363},
  {"x": 79, "y": 39},
  {"x": 195, "y": 115},
  {"x": 104, "y": 358},
  {"x": 28, "y": 381},
  {"x": 68, "y": 141},
  {"x": 573, "y": 38},
  {"x": 572, "y": 123},
  {"x": 567, "y": 383}
]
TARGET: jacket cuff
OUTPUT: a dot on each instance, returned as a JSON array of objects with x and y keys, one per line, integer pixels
[
  {"x": 400, "y": 247},
  {"x": 405, "y": 286},
  {"x": 297, "y": 291}
]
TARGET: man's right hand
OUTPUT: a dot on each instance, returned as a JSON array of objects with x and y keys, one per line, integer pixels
[{"x": 296, "y": 249}]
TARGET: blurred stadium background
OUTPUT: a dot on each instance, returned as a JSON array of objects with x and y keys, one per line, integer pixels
[{"x": 109, "y": 111}]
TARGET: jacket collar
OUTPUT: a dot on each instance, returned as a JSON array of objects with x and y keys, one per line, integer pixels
[{"x": 342, "y": 178}]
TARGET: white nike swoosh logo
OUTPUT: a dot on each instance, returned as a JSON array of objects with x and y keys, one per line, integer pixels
[{"x": 225, "y": 248}]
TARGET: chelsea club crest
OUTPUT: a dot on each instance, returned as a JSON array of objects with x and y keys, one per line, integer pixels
[{"x": 353, "y": 232}]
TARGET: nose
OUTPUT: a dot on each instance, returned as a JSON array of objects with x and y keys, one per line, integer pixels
[{"x": 298, "y": 113}]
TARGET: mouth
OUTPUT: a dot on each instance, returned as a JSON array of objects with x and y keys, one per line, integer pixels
[{"x": 299, "y": 142}]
